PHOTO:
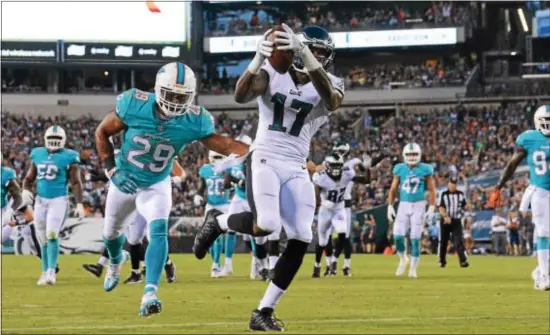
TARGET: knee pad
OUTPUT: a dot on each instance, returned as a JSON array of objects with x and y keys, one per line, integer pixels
[
  {"x": 273, "y": 248},
  {"x": 158, "y": 228}
]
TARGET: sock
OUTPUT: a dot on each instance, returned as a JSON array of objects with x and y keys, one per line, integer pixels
[
  {"x": 156, "y": 253},
  {"x": 400, "y": 245},
  {"x": 347, "y": 248},
  {"x": 230, "y": 241},
  {"x": 285, "y": 270},
  {"x": 253, "y": 247},
  {"x": 248, "y": 245},
  {"x": 135, "y": 255},
  {"x": 329, "y": 251},
  {"x": 216, "y": 250},
  {"x": 340, "y": 244},
  {"x": 543, "y": 253},
  {"x": 168, "y": 261},
  {"x": 414, "y": 262},
  {"x": 347, "y": 262},
  {"x": 102, "y": 260},
  {"x": 241, "y": 223},
  {"x": 273, "y": 261},
  {"x": 44, "y": 259},
  {"x": 415, "y": 252},
  {"x": 222, "y": 221},
  {"x": 319, "y": 254},
  {"x": 114, "y": 247},
  {"x": 271, "y": 297},
  {"x": 53, "y": 252}
]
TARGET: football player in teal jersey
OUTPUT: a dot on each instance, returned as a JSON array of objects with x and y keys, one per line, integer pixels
[
  {"x": 217, "y": 196},
  {"x": 19, "y": 209},
  {"x": 157, "y": 127},
  {"x": 534, "y": 145},
  {"x": 53, "y": 167},
  {"x": 412, "y": 178}
]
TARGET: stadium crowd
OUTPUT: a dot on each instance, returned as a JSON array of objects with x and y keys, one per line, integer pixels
[{"x": 383, "y": 15}]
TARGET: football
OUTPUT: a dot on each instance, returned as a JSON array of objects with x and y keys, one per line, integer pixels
[{"x": 280, "y": 60}]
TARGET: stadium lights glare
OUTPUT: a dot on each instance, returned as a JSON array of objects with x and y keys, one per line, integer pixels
[{"x": 523, "y": 20}]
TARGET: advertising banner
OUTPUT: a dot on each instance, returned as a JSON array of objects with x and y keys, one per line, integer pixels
[
  {"x": 30, "y": 52},
  {"x": 481, "y": 228},
  {"x": 348, "y": 40},
  {"x": 119, "y": 52},
  {"x": 111, "y": 21}
]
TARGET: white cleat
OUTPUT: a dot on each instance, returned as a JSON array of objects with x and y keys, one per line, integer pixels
[
  {"x": 228, "y": 269},
  {"x": 543, "y": 282},
  {"x": 43, "y": 280},
  {"x": 402, "y": 266},
  {"x": 412, "y": 273},
  {"x": 112, "y": 278},
  {"x": 215, "y": 273},
  {"x": 50, "y": 280}
]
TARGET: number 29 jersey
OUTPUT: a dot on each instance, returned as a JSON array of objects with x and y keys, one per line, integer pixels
[
  {"x": 150, "y": 144},
  {"x": 412, "y": 181},
  {"x": 333, "y": 191},
  {"x": 537, "y": 147},
  {"x": 290, "y": 115}
]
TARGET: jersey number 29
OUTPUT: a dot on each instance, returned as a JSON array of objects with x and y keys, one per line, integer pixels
[
  {"x": 303, "y": 108},
  {"x": 162, "y": 153}
]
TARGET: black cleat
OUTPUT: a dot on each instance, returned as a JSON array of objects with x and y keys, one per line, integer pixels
[
  {"x": 347, "y": 272},
  {"x": 464, "y": 264},
  {"x": 264, "y": 274},
  {"x": 264, "y": 321},
  {"x": 135, "y": 278},
  {"x": 170, "y": 270},
  {"x": 316, "y": 272},
  {"x": 209, "y": 232},
  {"x": 271, "y": 274},
  {"x": 442, "y": 265},
  {"x": 94, "y": 269},
  {"x": 57, "y": 269},
  {"x": 327, "y": 271},
  {"x": 143, "y": 271},
  {"x": 333, "y": 267}
]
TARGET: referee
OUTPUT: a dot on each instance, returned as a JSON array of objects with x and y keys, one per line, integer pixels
[{"x": 451, "y": 206}]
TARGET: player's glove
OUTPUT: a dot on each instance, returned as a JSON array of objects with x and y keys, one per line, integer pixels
[
  {"x": 264, "y": 49},
  {"x": 495, "y": 199},
  {"x": 197, "y": 199},
  {"x": 291, "y": 42},
  {"x": 391, "y": 213},
  {"x": 79, "y": 211},
  {"x": 123, "y": 181},
  {"x": 430, "y": 213}
]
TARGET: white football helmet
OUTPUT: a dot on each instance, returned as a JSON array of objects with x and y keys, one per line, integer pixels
[
  {"x": 175, "y": 88},
  {"x": 214, "y": 157},
  {"x": 245, "y": 139},
  {"x": 55, "y": 138},
  {"x": 333, "y": 165},
  {"x": 542, "y": 120},
  {"x": 412, "y": 154}
]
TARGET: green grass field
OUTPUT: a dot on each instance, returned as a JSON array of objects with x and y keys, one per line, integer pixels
[{"x": 495, "y": 295}]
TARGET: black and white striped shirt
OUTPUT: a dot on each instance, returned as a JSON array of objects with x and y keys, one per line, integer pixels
[{"x": 454, "y": 203}]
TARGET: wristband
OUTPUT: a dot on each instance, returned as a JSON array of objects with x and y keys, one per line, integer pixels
[
  {"x": 309, "y": 60},
  {"x": 255, "y": 65}
]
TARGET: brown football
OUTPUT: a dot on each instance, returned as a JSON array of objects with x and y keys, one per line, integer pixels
[{"x": 280, "y": 60}]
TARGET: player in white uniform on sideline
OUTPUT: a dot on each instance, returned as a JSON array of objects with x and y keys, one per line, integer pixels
[
  {"x": 293, "y": 106},
  {"x": 53, "y": 167},
  {"x": 412, "y": 178},
  {"x": 330, "y": 187},
  {"x": 534, "y": 145}
]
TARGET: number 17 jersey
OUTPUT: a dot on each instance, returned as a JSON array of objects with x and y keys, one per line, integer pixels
[{"x": 290, "y": 115}]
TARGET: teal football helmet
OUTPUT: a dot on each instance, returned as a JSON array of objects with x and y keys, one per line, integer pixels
[{"x": 316, "y": 38}]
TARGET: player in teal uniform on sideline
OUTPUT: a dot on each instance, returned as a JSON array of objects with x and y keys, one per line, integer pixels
[
  {"x": 412, "y": 178},
  {"x": 53, "y": 167},
  {"x": 157, "y": 127},
  {"x": 534, "y": 145},
  {"x": 217, "y": 196}
]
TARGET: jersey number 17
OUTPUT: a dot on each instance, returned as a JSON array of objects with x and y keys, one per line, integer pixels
[{"x": 303, "y": 109}]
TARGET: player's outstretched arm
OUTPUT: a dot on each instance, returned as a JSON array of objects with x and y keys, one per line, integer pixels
[
  {"x": 225, "y": 145},
  {"x": 76, "y": 182},
  {"x": 250, "y": 86},
  {"x": 511, "y": 167},
  {"x": 111, "y": 125}
]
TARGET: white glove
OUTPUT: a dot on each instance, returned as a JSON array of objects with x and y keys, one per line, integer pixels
[
  {"x": 197, "y": 199},
  {"x": 289, "y": 40},
  {"x": 28, "y": 197},
  {"x": 430, "y": 213},
  {"x": 264, "y": 49},
  {"x": 391, "y": 213},
  {"x": 79, "y": 211}
]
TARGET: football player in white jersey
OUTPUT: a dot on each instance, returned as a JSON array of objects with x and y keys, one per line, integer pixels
[
  {"x": 330, "y": 187},
  {"x": 293, "y": 106}
]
